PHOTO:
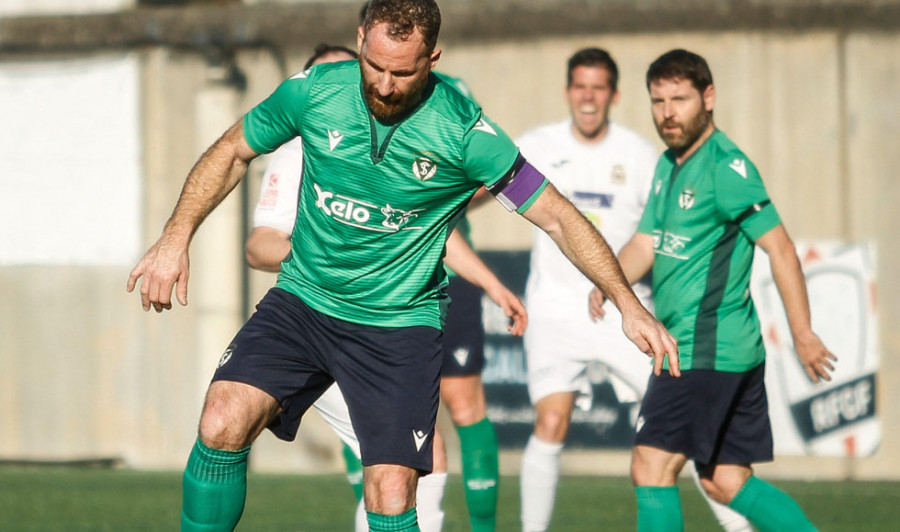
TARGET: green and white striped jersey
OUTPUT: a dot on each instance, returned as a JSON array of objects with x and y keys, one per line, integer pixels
[
  {"x": 704, "y": 216},
  {"x": 376, "y": 201}
]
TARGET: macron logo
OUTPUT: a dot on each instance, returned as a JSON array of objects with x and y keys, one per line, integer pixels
[
  {"x": 334, "y": 138},
  {"x": 461, "y": 355},
  {"x": 419, "y": 436},
  {"x": 482, "y": 125},
  {"x": 739, "y": 166},
  {"x": 301, "y": 75}
]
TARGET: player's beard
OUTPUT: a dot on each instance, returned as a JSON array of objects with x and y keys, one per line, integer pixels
[
  {"x": 690, "y": 132},
  {"x": 395, "y": 105}
]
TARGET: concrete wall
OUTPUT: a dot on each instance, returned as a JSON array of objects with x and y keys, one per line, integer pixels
[{"x": 84, "y": 373}]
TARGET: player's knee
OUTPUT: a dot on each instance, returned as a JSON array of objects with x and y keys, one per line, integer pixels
[
  {"x": 390, "y": 490},
  {"x": 552, "y": 425}
]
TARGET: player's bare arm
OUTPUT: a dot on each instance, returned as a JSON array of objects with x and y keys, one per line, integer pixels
[
  {"x": 463, "y": 260},
  {"x": 266, "y": 248},
  {"x": 166, "y": 264},
  {"x": 635, "y": 259},
  {"x": 585, "y": 247},
  {"x": 815, "y": 357}
]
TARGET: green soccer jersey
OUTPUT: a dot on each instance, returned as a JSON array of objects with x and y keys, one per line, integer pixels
[
  {"x": 376, "y": 201},
  {"x": 704, "y": 216}
]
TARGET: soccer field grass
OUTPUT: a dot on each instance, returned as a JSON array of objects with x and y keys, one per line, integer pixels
[{"x": 76, "y": 500}]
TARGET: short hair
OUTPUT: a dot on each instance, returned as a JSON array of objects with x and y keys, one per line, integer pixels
[
  {"x": 323, "y": 49},
  {"x": 681, "y": 64},
  {"x": 594, "y": 57},
  {"x": 404, "y": 16}
]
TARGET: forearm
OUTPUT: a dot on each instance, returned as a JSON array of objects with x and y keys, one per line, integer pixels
[
  {"x": 267, "y": 248},
  {"x": 791, "y": 284},
  {"x": 582, "y": 244},
  {"x": 211, "y": 179},
  {"x": 463, "y": 260}
]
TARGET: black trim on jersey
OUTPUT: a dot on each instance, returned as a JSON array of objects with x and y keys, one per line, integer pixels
[
  {"x": 501, "y": 184},
  {"x": 708, "y": 317},
  {"x": 751, "y": 210}
]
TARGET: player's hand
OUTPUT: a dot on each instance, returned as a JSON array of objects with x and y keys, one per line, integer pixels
[
  {"x": 815, "y": 357},
  {"x": 163, "y": 267},
  {"x": 595, "y": 304},
  {"x": 649, "y": 335},
  {"x": 513, "y": 308}
]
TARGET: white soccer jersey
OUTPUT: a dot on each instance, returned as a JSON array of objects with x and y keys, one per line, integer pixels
[
  {"x": 609, "y": 183},
  {"x": 277, "y": 205}
]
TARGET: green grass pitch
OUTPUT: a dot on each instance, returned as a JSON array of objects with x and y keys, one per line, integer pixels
[{"x": 81, "y": 500}]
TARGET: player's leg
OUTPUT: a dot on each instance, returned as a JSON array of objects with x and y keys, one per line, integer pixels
[
  {"x": 215, "y": 479},
  {"x": 430, "y": 490},
  {"x": 655, "y": 475},
  {"x": 390, "y": 380},
  {"x": 539, "y": 474},
  {"x": 463, "y": 393},
  {"x": 268, "y": 377},
  {"x": 729, "y": 520},
  {"x": 748, "y": 440},
  {"x": 464, "y": 396},
  {"x": 333, "y": 409}
]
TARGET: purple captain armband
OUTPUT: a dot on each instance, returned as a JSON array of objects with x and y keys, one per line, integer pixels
[{"x": 518, "y": 186}]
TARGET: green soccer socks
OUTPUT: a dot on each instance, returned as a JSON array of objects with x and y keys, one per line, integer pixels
[
  {"x": 659, "y": 509},
  {"x": 215, "y": 485},
  {"x": 405, "y": 522},
  {"x": 354, "y": 472},
  {"x": 769, "y": 508},
  {"x": 481, "y": 475}
]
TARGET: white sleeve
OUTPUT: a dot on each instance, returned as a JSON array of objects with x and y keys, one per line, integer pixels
[
  {"x": 277, "y": 205},
  {"x": 648, "y": 160}
]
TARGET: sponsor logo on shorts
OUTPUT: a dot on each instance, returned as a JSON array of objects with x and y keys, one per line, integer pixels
[
  {"x": 359, "y": 213},
  {"x": 419, "y": 436},
  {"x": 461, "y": 355},
  {"x": 639, "y": 424},
  {"x": 226, "y": 356}
]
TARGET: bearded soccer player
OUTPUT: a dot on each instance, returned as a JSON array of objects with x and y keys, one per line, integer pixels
[
  {"x": 707, "y": 210},
  {"x": 391, "y": 157}
]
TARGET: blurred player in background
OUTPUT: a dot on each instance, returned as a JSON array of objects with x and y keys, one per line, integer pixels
[
  {"x": 605, "y": 170},
  {"x": 706, "y": 211}
]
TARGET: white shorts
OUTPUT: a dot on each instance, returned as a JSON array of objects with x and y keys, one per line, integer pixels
[
  {"x": 562, "y": 356},
  {"x": 333, "y": 409}
]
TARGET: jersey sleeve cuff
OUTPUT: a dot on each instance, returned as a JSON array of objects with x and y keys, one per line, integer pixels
[{"x": 761, "y": 223}]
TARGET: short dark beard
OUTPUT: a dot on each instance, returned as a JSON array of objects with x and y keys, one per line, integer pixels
[
  {"x": 693, "y": 130},
  {"x": 394, "y": 107}
]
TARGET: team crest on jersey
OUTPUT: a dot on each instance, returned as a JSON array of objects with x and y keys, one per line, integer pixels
[
  {"x": 424, "y": 168},
  {"x": 618, "y": 175},
  {"x": 686, "y": 200},
  {"x": 397, "y": 219}
]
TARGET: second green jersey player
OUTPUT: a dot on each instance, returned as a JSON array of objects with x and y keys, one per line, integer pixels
[{"x": 704, "y": 215}]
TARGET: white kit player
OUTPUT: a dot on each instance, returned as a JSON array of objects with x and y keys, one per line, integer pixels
[{"x": 606, "y": 170}]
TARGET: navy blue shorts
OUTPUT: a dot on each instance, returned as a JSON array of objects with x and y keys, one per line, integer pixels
[
  {"x": 390, "y": 376},
  {"x": 463, "y": 331},
  {"x": 712, "y": 417}
]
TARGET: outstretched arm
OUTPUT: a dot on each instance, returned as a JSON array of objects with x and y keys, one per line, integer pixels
[
  {"x": 166, "y": 263},
  {"x": 636, "y": 259},
  {"x": 461, "y": 258},
  {"x": 815, "y": 357},
  {"x": 589, "y": 252}
]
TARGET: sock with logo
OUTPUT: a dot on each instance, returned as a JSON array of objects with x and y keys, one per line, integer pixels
[
  {"x": 429, "y": 495},
  {"x": 659, "y": 509},
  {"x": 354, "y": 472},
  {"x": 215, "y": 485},
  {"x": 538, "y": 480},
  {"x": 405, "y": 522},
  {"x": 481, "y": 474},
  {"x": 769, "y": 508}
]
